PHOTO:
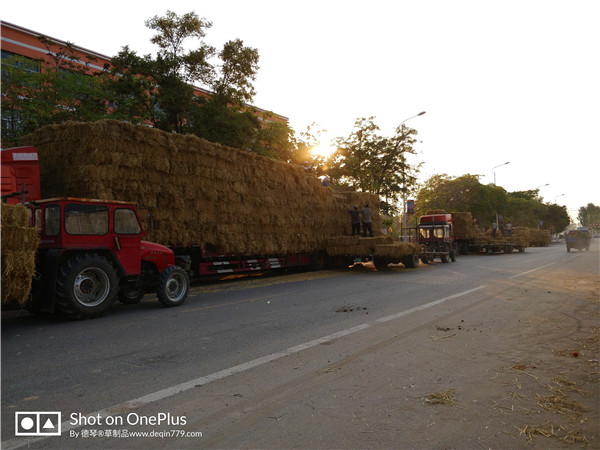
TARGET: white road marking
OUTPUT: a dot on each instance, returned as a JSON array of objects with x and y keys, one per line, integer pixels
[{"x": 532, "y": 270}]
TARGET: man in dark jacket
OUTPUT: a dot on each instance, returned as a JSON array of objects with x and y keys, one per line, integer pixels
[{"x": 355, "y": 219}]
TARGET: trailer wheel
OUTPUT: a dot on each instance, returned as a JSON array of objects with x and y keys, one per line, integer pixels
[
  {"x": 86, "y": 286},
  {"x": 411, "y": 261},
  {"x": 173, "y": 286},
  {"x": 425, "y": 259},
  {"x": 453, "y": 255},
  {"x": 444, "y": 258}
]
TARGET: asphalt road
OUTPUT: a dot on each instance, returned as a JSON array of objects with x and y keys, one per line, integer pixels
[{"x": 134, "y": 352}]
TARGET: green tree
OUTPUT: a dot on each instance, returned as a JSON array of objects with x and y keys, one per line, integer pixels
[
  {"x": 131, "y": 87},
  {"x": 175, "y": 61},
  {"x": 215, "y": 121},
  {"x": 237, "y": 71},
  {"x": 486, "y": 202},
  {"x": 373, "y": 163},
  {"x": 555, "y": 218},
  {"x": 276, "y": 140},
  {"x": 588, "y": 214},
  {"x": 175, "y": 68},
  {"x": 461, "y": 194},
  {"x": 37, "y": 93}
]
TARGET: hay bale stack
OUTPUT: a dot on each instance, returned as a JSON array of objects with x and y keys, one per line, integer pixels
[
  {"x": 520, "y": 236},
  {"x": 463, "y": 225},
  {"x": 355, "y": 245},
  {"x": 198, "y": 192},
  {"x": 539, "y": 238},
  {"x": 397, "y": 250},
  {"x": 19, "y": 245}
]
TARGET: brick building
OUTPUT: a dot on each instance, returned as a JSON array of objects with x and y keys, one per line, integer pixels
[{"x": 17, "y": 40}]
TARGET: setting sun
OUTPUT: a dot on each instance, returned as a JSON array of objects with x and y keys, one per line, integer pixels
[{"x": 322, "y": 150}]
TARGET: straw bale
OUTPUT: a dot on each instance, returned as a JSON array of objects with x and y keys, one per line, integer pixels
[
  {"x": 539, "y": 238},
  {"x": 463, "y": 225},
  {"x": 397, "y": 250},
  {"x": 197, "y": 192},
  {"x": 19, "y": 246},
  {"x": 14, "y": 215}
]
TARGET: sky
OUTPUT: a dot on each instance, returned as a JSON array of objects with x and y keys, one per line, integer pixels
[{"x": 500, "y": 81}]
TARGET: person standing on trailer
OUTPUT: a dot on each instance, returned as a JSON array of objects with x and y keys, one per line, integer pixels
[
  {"x": 355, "y": 220},
  {"x": 366, "y": 221}
]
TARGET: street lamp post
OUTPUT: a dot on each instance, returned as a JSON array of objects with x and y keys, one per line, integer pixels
[
  {"x": 538, "y": 189},
  {"x": 494, "y": 170},
  {"x": 404, "y": 187}
]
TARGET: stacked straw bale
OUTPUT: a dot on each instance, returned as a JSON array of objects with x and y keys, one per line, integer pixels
[
  {"x": 539, "y": 238},
  {"x": 19, "y": 246},
  {"x": 397, "y": 250},
  {"x": 520, "y": 236},
  {"x": 464, "y": 228},
  {"x": 199, "y": 193},
  {"x": 371, "y": 246}
]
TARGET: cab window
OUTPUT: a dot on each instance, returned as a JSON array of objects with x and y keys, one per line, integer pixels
[
  {"x": 52, "y": 220},
  {"x": 126, "y": 222},
  {"x": 86, "y": 219}
]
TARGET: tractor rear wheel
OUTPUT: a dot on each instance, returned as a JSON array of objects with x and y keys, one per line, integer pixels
[
  {"x": 173, "y": 286},
  {"x": 86, "y": 286}
]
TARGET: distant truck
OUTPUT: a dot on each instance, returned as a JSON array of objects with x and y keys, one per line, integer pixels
[
  {"x": 579, "y": 239},
  {"x": 91, "y": 252},
  {"x": 446, "y": 235},
  {"x": 435, "y": 233}
]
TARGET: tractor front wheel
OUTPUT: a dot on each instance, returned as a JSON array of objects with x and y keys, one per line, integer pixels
[{"x": 173, "y": 286}]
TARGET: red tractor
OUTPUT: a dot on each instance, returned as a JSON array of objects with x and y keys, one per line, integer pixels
[
  {"x": 436, "y": 235},
  {"x": 91, "y": 252}
]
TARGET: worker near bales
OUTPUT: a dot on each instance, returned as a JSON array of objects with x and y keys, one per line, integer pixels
[
  {"x": 355, "y": 219},
  {"x": 509, "y": 229},
  {"x": 494, "y": 227},
  {"x": 366, "y": 221},
  {"x": 307, "y": 168}
]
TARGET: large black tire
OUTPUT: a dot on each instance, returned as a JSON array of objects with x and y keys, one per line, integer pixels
[
  {"x": 444, "y": 258},
  {"x": 411, "y": 261},
  {"x": 86, "y": 286},
  {"x": 130, "y": 295},
  {"x": 453, "y": 255},
  {"x": 173, "y": 286}
]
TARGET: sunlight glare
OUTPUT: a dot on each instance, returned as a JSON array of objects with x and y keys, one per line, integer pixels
[{"x": 322, "y": 150}]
